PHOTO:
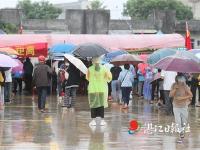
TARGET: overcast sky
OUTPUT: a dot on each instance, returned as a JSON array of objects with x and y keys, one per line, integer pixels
[{"x": 116, "y": 6}]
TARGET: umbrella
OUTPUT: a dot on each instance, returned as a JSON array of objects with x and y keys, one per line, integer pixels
[
  {"x": 7, "y": 61},
  {"x": 196, "y": 52},
  {"x": 144, "y": 57},
  {"x": 126, "y": 59},
  {"x": 162, "y": 53},
  {"x": 18, "y": 68},
  {"x": 89, "y": 50},
  {"x": 109, "y": 56},
  {"x": 76, "y": 62},
  {"x": 9, "y": 51},
  {"x": 179, "y": 63},
  {"x": 62, "y": 48}
]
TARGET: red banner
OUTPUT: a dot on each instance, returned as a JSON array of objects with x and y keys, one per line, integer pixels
[{"x": 32, "y": 50}]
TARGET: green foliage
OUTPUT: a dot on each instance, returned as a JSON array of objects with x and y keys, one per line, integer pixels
[
  {"x": 8, "y": 28},
  {"x": 96, "y": 4},
  {"x": 38, "y": 10},
  {"x": 142, "y": 8}
]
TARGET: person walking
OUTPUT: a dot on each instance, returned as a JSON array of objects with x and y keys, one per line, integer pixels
[
  {"x": 115, "y": 84},
  {"x": 182, "y": 97},
  {"x": 147, "y": 90},
  {"x": 168, "y": 80},
  {"x": 28, "y": 70},
  {"x": 98, "y": 77},
  {"x": 2, "y": 83},
  {"x": 126, "y": 79},
  {"x": 71, "y": 85},
  {"x": 41, "y": 79},
  {"x": 8, "y": 86}
]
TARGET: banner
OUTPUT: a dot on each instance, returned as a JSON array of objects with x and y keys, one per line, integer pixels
[{"x": 32, "y": 50}]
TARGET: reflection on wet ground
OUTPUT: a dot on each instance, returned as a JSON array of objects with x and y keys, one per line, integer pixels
[{"x": 22, "y": 127}]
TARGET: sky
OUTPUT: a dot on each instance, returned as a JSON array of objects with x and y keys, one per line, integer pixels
[{"x": 116, "y": 6}]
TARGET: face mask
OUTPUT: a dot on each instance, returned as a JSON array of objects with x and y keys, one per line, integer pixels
[{"x": 67, "y": 64}]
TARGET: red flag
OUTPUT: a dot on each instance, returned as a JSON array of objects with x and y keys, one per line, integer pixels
[
  {"x": 20, "y": 29},
  {"x": 188, "y": 44}
]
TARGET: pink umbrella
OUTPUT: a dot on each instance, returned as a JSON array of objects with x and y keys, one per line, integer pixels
[
  {"x": 7, "y": 61},
  {"x": 144, "y": 57},
  {"x": 142, "y": 67},
  {"x": 178, "y": 63},
  {"x": 19, "y": 67}
]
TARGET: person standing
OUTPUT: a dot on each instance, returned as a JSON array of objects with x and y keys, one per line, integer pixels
[
  {"x": 182, "y": 96},
  {"x": 8, "y": 86},
  {"x": 2, "y": 83},
  {"x": 115, "y": 84},
  {"x": 148, "y": 86},
  {"x": 98, "y": 77},
  {"x": 28, "y": 70},
  {"x": 168, "y": 80},
  {"x": 126, "y": 79},
  {"x": 41, "y": 79},
  {"x": 140, "y": 82},
  {"x": 71, "y": 85}
]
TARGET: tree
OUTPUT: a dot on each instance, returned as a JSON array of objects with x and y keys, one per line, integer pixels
[
  {"x": 8, "y": 27},
  {"x": 142, "y": 8},
  {"x": 96, "y": 4},
  {"x": 38, "y": 10}
]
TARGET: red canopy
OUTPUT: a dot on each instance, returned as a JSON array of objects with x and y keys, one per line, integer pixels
[
  {"x": 32, "y": 50},
  {"x": 128, "y": 42}
]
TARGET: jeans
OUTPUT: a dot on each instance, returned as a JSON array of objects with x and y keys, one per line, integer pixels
[
  {"x": 181, "y": 117},
  {"x": 116, "y": 90},
  {"x": 168, "y": 103},
  {"x": 70, "y": 95},
  {"x": 126, "y": 94},
  {"x": 1, "y": 95},
  {"x": 140, "y": 88},
  {"x": 16, "y": 82},
  {"x": 7, "y": 91},
  {"x": 42, "y": 94}
]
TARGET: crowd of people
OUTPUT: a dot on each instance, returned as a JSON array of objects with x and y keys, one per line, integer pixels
[
  {"x": 11, "y": 81},
  {"x": 171, "y": 91}
]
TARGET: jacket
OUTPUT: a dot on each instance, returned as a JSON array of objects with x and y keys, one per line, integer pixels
[{"x": 42, "y": 75}]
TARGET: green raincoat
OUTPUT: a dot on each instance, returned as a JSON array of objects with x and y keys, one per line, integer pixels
[{"x": 98, "y": 86}]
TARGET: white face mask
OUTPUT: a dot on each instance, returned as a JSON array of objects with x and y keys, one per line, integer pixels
[{"x": 67, "y": 64}]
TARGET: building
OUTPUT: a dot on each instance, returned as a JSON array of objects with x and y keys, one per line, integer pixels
[
  {"x": 195, "y": 5},
  {"x": 80, "y": 4}
]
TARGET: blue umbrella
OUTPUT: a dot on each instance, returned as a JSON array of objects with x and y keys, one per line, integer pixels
[
  {"x": 109, "y": 56},
  {"x": 62, "y": 48},
  {"x": 160, "y": 54}
]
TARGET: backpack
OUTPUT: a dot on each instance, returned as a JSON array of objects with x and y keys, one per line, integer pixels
[{"x": 1, "y": 79}]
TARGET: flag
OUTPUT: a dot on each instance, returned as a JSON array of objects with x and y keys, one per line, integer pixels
[
  {"x": 20, "y": 29},
  {"x": 188, "y": 44}
]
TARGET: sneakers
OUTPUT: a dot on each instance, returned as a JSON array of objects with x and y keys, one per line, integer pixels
[
  {"x": 103, "y": 123},
  {"x": 182, "y": 135},
  {"x": 179, "y": 140},
  {"x": 92, "y": 123}
]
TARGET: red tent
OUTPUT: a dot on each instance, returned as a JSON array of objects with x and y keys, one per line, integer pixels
[
  {"x": 128, "y": 42},
  {"x": 32, "y": 50}
]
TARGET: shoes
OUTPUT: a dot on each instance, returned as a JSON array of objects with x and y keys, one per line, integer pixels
[
  {"x": 92, "y": 123},
  {"x": 182, "y": 135},
  {"x": 103, "y": 123},
  {"x": 179, "y": 140}
]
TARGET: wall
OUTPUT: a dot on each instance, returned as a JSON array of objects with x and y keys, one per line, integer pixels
[
  {"x": 10, "y": 16},
  {"x": 87, "y": 21}
]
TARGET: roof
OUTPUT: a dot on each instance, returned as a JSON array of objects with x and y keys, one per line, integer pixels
[{"x": 131, "y": 41}]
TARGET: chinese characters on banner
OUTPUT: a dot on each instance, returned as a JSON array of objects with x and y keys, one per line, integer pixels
[
  {"x": 32, "y": 50},
  {"x": 149, "y": 128}
]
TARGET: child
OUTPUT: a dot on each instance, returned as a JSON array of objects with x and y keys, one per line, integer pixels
[{"x": 181, "y": 98}]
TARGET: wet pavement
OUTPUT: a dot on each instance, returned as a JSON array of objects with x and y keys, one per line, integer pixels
[{"x": 23, "y": 127}]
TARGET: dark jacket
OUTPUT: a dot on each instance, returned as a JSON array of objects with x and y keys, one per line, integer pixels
[
  {"x": 42, "y": 75},
  {"x": 74, "y": 76},
  {"x": 28, "y": 67}
]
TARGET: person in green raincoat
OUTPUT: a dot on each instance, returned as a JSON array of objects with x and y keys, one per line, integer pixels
[{"x": 98, "y": 77}]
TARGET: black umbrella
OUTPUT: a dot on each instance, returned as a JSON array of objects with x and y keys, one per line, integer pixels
[{"x": 89, "y": 50}]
